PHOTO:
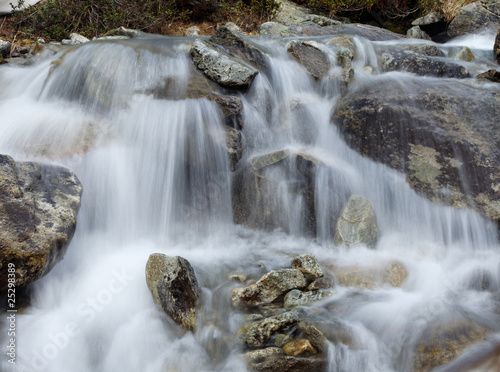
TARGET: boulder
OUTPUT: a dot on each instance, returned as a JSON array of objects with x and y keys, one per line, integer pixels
[
  {"x": 392, "y": 273},
  {"x": 416, "y": 33},
  {"x": 357, "y": 224},
  {"x": 225, "y": 70},
  {"x": 258, "y": 334},
  {"x": 492, "y": 75},
  {"x": 313, "y": 335},
  {"x": 299, "y": 346},
  {"x": 324, "y": 282},
  {"x": 464, "y": 54},
  {"x": 38, "y": 208},
  {"x": 4, "y": 48},
  {"x": 406, "y": 60},
  {"x": 308, "y": 265},
  {"x": 475, "y": 16},
  {"x": 174, "y": 287},
  {"x": 496, "y": 48},
  {"x": 311, "y": 57},
  {"x": 293, "y": 364},
  {"x": 269, "y": 287},
  {"x": 448, "y": 150},
  {"x": 299, "y": 298},
  {"x": 236, "y": 45},
  {"x": 441, "y": 343},
  {"x": 233, "y": 146}
]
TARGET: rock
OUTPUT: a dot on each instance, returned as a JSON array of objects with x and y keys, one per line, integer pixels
[
  {"x": 298, "y": 347},
  {"x": 357, "y": 224},
  {"x": 231, "y": 37},
  {"x": 392, "y": 273},
  {"x": 428, "y": 19},
  {"x": 439, "y": 344},
  {"x": 308, "y": 265},
  {"x": 406, "y": 60},
  {"x": 299, "y": 298},
  {"x": 221, "y": 68},
  {"x": 314, "y": 335},
  {"x": 496, "y": 48},
  {"x": 475, "y": 16},
  {"x": 257, "y": 356},
  {"x": 324, "y": 282},
  {"x": 126, "y": 32},
  {"x": 282, "y": 340},
  {"x": 258, "y": 334},
  {"x": 78, "y": 38},
  {"x": 193, "y": 31},
  {"x": 262, "y": 161},
  {"x": 464, "y": 54},
  {"x": 38, "y": 208},
  {"x": 425, "y": 49},
  {"x": 311, "y": 57},
  {"x": 417, "y": 33},
  {"x": 269, "y": 287},
  {"x": 293, "y": 364},
  {"x": 4, "y": 48},
  {"x": 492, "y": 75},
  {"x": 343, "y": 46},
  {"x": 175, "y": 288},
  {"x": 233, "y": 146},
  {"x": 425, "y": 148}
]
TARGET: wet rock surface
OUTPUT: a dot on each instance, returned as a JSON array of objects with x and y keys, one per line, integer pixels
[
  {"x": 475, "y": 16},
  {"x": 311, "y": 57},
  {"x": 174, "y": 287},
  {"x": 38, "y": 209}
]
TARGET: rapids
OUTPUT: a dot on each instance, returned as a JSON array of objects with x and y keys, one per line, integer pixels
[{"x": 156, "y": 179}]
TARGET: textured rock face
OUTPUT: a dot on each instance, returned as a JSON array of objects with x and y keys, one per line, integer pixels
[
  {"x": 424, "y": 139},
  {"x": 496, "y": 48},
  {"x": 38, "y": 208},
  {"x": 357, "y": 224},
  {"x": 293, "y": 364},
  {"x": 417, "y": 33},
  {"x": 233, "y": 146},
  {"x": 428, "y": 19},
  {"x": 311, "y": 57},
  {"x": 299, "y": 298},
  {"x": 269, "y": 287},
  {"x": 174, "y": 287},
  {"x": 221, "y": 68},
  {"x": 475, "y": 16},
  {"x": 4, "y": 48},
  {"x": 492, "y": 75},
  {"x": 406, "y": 60},
  {"x": 308, "y": 265},
  {"x": 299, "y": 346}
]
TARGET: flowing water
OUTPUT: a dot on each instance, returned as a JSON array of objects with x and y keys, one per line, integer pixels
[{"x": 156, "y": 179}]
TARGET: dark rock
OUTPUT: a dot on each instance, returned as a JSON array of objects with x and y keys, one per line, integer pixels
[
  {"x": 38, "y": 208},
  {"x": 406, "y": 60},
  {"x": 324, "y": 282},
  {"x": 4, "y": 48},
  {"x": 475, "y": 16},
  {"x": 496, "y": 48},
  {"x": 233, "y": 146},
  {"x": 293, "y": 364},
  {"x": 449, "y": 150},
  {"x": 492, "y": 75},
  {"x": 225, "y": 70},
  {"x": 311, "y": 57},
  {"x": 175, "y": 288}
]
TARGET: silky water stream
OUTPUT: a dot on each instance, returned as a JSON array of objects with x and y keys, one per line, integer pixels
[{"x": 156, "y": 178}]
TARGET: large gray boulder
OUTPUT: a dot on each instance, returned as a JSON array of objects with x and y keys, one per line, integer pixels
[
  {"x": 225, "y": 70},
  {"x": 174, "y": 287},
  {"x": 475, "y": 16},
  {"x": 446, "y": 142},
  {"x": 38, "y": 208},
  {"x": 357, "y": 224},
  {"x": 311, "y": 57}
]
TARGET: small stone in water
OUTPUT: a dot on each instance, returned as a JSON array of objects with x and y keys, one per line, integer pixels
[{"x": 299, "y": 347}]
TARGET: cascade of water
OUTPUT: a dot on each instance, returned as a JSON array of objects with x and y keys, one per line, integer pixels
[{"x": 156, "y": 179}]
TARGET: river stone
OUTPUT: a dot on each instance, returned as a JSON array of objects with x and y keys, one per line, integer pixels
[
  {"x": 299, "y": 298},
  {"x": 174, "y": 287},
  {"x": 311, "y": 57},
  {"x": 258, "y": 334},
  {"x": 343, "y": 46},
  {"x": 357, "y": 224},
  {"x": 308, "y": 265},
  {"x": 324, "y": 282},
  {"x": 439, "y": 344},
  {"x": 492, "y": 75},
  {"x": 233, "y": 146},
  {"x": 256, "y": 356},
  {"x": 392, "y": 273},
  {"x": 441, "y": 128},
  {"x": 77, "y": 38},
  {"x": 314, "y": 335},
  {"x": 406, "y": 60},
  {"x": 269, "y": 287},
  {"x": 236, "y": 45},
  {"x": 464, "y": 54},
  {"x": 298, "y": 347},
  {"x": 428, "y": 19},
  {"x": 4, "y": 48},
  {"x": 293, "y": 364},
  {"x": 496, "y": 48},
  {"x": 38, "y": 208},
  {"x": 429, "y": 50},
  {"x": 417, "y": 33},
  {"x": 261, "y": 161},
  {"x": 225, "y": 70},
  {"x": 475, "y": 16}
]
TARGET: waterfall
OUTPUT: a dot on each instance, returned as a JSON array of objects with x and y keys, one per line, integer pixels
[{"x": 156, "y": 177}]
